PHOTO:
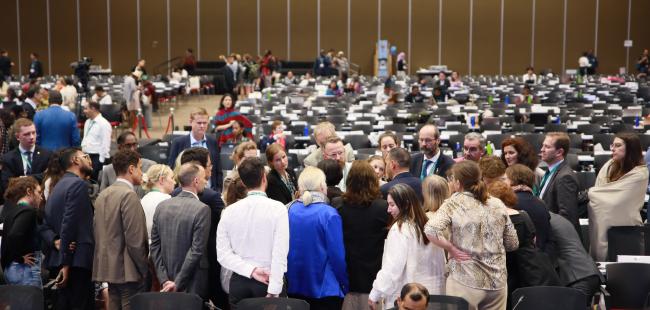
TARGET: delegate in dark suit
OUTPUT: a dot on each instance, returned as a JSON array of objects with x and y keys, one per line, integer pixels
[
  {"x": 561, "y": 194},
  {"x": 443, "y": 163},
  {"x": 403, "y": 178},
  {"x": 12, "y": 165},
  {"x": 179, "y": 236},
  {"x": 181, "y": 143},
  {"x": 69, "y": 218},
  {"x": 276, "y": 188}
]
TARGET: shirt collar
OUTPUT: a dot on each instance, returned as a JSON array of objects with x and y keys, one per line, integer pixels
[
  {"x": 193, "y": 194},
  {"x": 22, "y": 150},
  {"x": 434, "y": 158},
  {"x": 193, "y": 141},
  {"x": 31, "y": 102},
  {"x": 555, "y": 165},
  {"x": 125, "y": 181},
  {"x": 256, "y": 193}
]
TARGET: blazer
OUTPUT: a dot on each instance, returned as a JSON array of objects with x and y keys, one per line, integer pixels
[
  {"x": 442, "y": 165},
  {"x": 69, "y": 217},
  {"x": 573, "y": 260},
  {"x": 561, "y": 195},
  {"x": 31, "y": 111},
  {"x": 181, "y": 143},
  {"x": 19, "y": 234},
  {"x": 56, "y": 128},
  {"x": 12, "y": 166},
  {"x": 179, "y": 236},
  {"x": 276, "y": 188},
  {"x": 538, "y": 214},
  {"x": 405, "y": 178},
  {"x": 35, "y": 69},
  {"x": 107, "y": 176}
]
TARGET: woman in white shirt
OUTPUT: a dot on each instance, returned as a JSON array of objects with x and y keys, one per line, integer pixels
[
  {"x": 408, "y": 256},
  {"x": 159, "y": 181},
  {"x": 583, "y": 63},
  {"x": 530, "y": 77}
]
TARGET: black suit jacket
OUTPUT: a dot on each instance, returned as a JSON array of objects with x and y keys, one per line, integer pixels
[
  {"x": 12, "y": 165},
  {"x": 572, "y": 259},
  {"x": 181, "y": 143},
  {"x": 444, "y": 163},
  {"x": 404, "y": 178},
  {"x": 561, "y": 195},
  {"x": 276, "y": 189},
  {"x": 231, "y": 78},
  {"x": 29, "y": 110}
]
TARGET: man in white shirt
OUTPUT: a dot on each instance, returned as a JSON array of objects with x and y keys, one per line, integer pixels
[
  {"x": 101, "y": 97},
  {"x": 97, "y": 137},
  {"x": 383, "y": 96},
  {"x": 253, "y": 239}
]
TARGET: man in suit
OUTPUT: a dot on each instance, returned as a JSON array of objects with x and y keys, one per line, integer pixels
[
  {"x": 36, "y": 67},
  {"x": 211, "y": 198},
  {"x": 559, "y": 186},
  {"x": 231, "y": 74},
  {"x": 334, "y": 149},
  {"x": 179, "y": 236},
  {"x": 397, "y": 169},
  {"x": 68, "y": 220},
  {"x": 576, "y": 268},
  {"x": 5, "y": 66},
  {"x": 198, "y": 137},
  {"x": 322, "y": 132},
  {"x": 473, "y": 147},
  {"x": 27, "y": 159},
  {"x": 121, "y": 241},
  {"x": 430, "y": 160},
  {"x": 32, "y": 101},
  {"x": 126, "y": 141},
  {"x": 57, "y": 127}
]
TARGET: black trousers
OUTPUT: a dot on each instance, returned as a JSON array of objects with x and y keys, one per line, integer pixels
[
  {"x": 588, "y": 286},
  {"x": 79, "y": 292},
  {"x": 242, "y": 288},
  {"x": 97, "y": 166},
  {"x": 325, "y": 303}
]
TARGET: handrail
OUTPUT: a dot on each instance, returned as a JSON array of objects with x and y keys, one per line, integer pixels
[
  {"x": 166, "y": 63},
  {"x": 355, "y": 69}
]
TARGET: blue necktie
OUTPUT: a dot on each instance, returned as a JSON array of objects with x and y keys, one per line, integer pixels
[{"x": 425, "y": 168}]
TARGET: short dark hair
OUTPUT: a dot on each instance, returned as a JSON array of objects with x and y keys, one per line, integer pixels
[
  {"x": 93, "y": 105},
  {"x": 99, "y": 88},
  {"x": 332, "y": 170},
  {"x": 196, "y": 154},
  {"x": 401, "y": 156},
  {"x": 123, "y": 159},
  {"x": 187, "y": 173},
  {"x": 415, "y": 292},
  {"x": 32, "y": 91},
  {"x": 122, "y": 137},
  {"x": 251, "y": 172},
  {"x": 67, "y": 155}
]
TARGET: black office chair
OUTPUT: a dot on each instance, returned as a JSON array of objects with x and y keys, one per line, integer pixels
[
  {"x": 600, "y": 160},
  {"x": 535, "y": 139},
  {"x": 645, "y": 141},
  {"x": 491, "y": 126},
  {"x": 548, "y": 297},
  {"x": 272, "y": 303},
  {"x": 625, "y": 240},
  {"x": 524, "y": 127},
  {"x": 460, "y": 128},
  {"x": 358, "y": 141},
  {"x": 586, "y": 179},
  {"x": 589, "y": 129},
  {"x": 367, "y": 129},
  {"x": 572, "y": 161},
  {"x": 444, "y": 302},
  {"x": 498, "y": 139},
  {"x": 604, "y": 139},
  {"x": 225, "y": 162},
  {"x": 552, "y": 127},
  {"x": 575, "y": 141},
  {"x": 628, "y": 285},
  {"x": 621, "y": 127},
  {"x": 166, "y": 301},
  {"x": 396, "y": 127},
  {"x": 21, "y": 297},
  {"x": 453, "y": 139},
  {"x": 155, "y": 152}
]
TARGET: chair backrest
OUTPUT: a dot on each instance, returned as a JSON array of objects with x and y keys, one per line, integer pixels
[
  {"x": 154, "y": 152},
  {"x": 625, "y": 240},
  {"x": 21, "y": 297},
  {"x": 628, "y": 284},
  {"x": 272, "y": 303},
  {"x": 548, "y": 297},
  {"x": 166, "y": 301},
  {"x": 444, "y": 302},
  {"x": 358, "y": 141}
]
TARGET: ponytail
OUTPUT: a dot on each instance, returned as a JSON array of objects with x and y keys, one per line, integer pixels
[
  {"x": 307, "y": 198},
  {"x": 480, "y": 191}
]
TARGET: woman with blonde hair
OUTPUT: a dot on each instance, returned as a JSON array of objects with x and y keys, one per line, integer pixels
[
  {"x": 316, "y": 269},
  {"x": 242, "y": 151},
  {"x": 435, "y": 191},
  {"x": 159, "y": 182},
  {"x": 379, "y": 166}
]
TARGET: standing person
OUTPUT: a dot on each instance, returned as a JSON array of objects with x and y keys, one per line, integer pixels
[
  {"x": 226, "y": 118},
  {"x": 430, "y": 160},
  {"x": 283, "y": 185},
  {"x": 179, "y": 236},
  {"x": 322, "y": 64},
  {"x": 121, "y": 249},
  {"x": 343, "y": 66},
  {"x": 408, "y": 256},
  {"x": 5, "y": 66},
  {"x": 583, "y": 64},
  {"x": 316, "y": 269},
  {"x": 69, "y": 94},
  {"x": 388, "y": 141},
  {"x": 559, "y": 186},
  {"x": 435, "y": 191},
  {"x": 126, "y": 140},
  {"x": 68, "y": 219},
  {"x": 131, "y": 94},
  {"x": 593, "y": 62},
  {"x": 642, "y": 64},
  {"x": 231, "y": 74},
  {"x": 397, "y": 171},
  {"x": 365, "y": 218},
  {"x": 322, "y": 132},
  {"x": 189, "y": 61},
  {"x": 257, "y": 252},
  {"x": 159, "y": 182},
  {"x": 21, "y": 246},
  {"x": 97, "y": 137},
  {"x": 57, "y": 127},
  {"x": 335, "y": 150},
  {"x": 481, "y": 233},
  {"x": 618, "y": 195},
  {"x": 35, "y": 67},
  {"x": 34, "y": 99},
  {"x": 401, "y": 65},
  {"x": 140, "y": 66},
  {"x": 379, "y": 166},
  {"x": 267, "y": 67}
]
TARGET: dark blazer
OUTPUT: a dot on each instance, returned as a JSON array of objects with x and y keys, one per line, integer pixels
[
  {"x": 12, "y": 165},
  {"x": 561, "y": 195},
  {"x": 19, "y": 234},
  {"x": 230, "y": 77},
  {"x": 539, "y": 215},
  {"x": 69, "y": 217},
  {"x": 405, "y": 178},
  {"x": 29, "y": 110},
  {"x": 181, "y": 143},
  {"x": 276, "y": 189},
  {"x": 35, "y": 69},
  {"x": 364, "y": 231},
  {"x": 573, "y": 260},
  {"x": 444, "y": 163}
]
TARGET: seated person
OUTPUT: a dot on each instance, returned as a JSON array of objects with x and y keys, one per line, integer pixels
[
  {"x": 322, "y": 132},
  {"x": 415, "y": 96},
  {"x": 276, "y": 136},
  {"x": 101, "y": 96},
  {"x": 385, "y": 96},
  {"x": 236, "y": 136},
  {"x": 290, "y": 79},
  {"x": 438, "y": 95},
  {"x": 333, "y": 89}
]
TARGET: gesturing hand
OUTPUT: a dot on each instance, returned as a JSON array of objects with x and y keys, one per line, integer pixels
[
  {"x": 459, "y": 255},
  {"x": 29, "y": 259}
]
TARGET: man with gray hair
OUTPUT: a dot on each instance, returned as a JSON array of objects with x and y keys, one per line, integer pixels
[
  {"x": 322, "y": 132},
  {"x": 179, "y": 235},
  {"x": 473, "y": 147}
]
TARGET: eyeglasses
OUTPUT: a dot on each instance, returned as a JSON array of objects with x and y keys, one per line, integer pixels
[
  {"x": 131, "y": 145},
  {"x": 85, "y": 156}
]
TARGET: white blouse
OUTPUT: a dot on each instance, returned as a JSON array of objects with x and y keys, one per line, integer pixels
[{"x": 150, "y": 202}]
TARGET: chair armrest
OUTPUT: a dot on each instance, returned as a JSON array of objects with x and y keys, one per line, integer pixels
[{"x": 607, "y": 295}]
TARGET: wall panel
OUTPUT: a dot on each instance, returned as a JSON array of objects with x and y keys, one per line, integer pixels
[
  {"x": 486, "y": 36},
  {"x": 10, "y": 36},
  {"x": 639, "y": 31},
  {"x": 273, "y": 27},
  {"x": 549, "y": 25},
  {"x": 424, "y": 34},
  {"x": 153, "y": 35},
  {"x": 183, "y": 26},
  {"x": 334, "y": 25},
  {"x": 455, "y": 34},
  {"x": 612, "y": 31},
  {"x": 213, "y": 29},
  {"x": 517, "y": 27},
  {"x": 94, "y": 32},
  {"x": 581, "y": 18},
  {"x": 124, "y": 44},
  {"x": 394, "y": 24},
  {"x": 33, "y": 35},
  {"x": 243, "y": 26},
  {"x": 303, "y": 30},
  {"x": 63, "y": 16}
]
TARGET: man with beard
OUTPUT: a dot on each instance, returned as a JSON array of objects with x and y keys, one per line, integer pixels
[
  {"x": 179, "y": 236},
  {"x": 68, "y": 220},
  {"x": 334, "y": 149},
  {"x": 397, "y": 169},
  {"x": 431, "y": 160}
]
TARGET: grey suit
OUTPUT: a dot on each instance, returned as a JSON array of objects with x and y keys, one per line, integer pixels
[
  {"x": 561, "y": 194},
  {"x": 107, "y": 176},
  {"x": 179, "y": 236}
]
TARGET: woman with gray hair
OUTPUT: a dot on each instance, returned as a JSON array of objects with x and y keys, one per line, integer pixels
[{"x": 316, "y": 269}]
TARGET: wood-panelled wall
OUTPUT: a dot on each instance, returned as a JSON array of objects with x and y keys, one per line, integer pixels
[{"x": 471, "y": 36}]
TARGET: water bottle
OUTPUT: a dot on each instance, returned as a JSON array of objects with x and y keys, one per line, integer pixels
[
  {"x": 305, "y": 131},
  {"x": 530, "y": 99},
  {"x": 457, "y": 148},
  {"x": 490, "y": 99},
  {"x": 558, "y": 120},
  {"x": 507, "y": 99},
  {"x": 472, "y": 121},
  {"x": 636, "y": 121},
  {"x": 489, "y": 148}
]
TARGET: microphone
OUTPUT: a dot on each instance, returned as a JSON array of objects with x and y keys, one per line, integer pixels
[{"x": 518, "y": 302}]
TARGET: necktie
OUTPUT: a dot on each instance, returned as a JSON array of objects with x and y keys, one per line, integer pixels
[
  {"x": 543, "y": 182},
  {"x": 28, "y": 157},
  {"x": 425, "y": 168}
]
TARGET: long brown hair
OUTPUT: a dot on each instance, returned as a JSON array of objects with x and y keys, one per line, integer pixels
[
  {"x": 526, "y": 154},
  {"x": 633, "y": 156},
  {"x": 468, "y": 174},
  {"x": 409, "y": 209},
  {"x": 362, "y": 184}
]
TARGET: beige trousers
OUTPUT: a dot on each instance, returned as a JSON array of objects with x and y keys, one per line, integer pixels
[{"x": 478, "y": 299}]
